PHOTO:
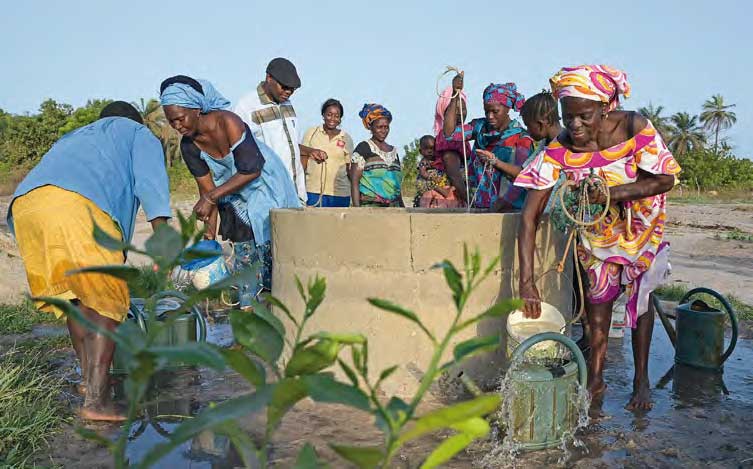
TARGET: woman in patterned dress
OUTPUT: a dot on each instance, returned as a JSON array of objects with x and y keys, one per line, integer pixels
[{"x": 626, "y": 250}]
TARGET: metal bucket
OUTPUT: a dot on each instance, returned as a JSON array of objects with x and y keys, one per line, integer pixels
[
  {"x": 543, "y": 411},
  {"x": 188, "y": 327},
  {"x": 519, "y": 328}
]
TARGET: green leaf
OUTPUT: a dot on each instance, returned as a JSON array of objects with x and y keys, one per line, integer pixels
[
  {"x": 349, "y": 372},
  {"x": 451, "y": 415},
  {"x": 316, "y": 295},
  {"x": 347, "y": 339},
  {"x": 301, "y": 291},
  {"x": 274, "y": 301},
  {"x": 470, "y": 430},
  {"x": 475, "y": 346},
  {"x": 358, "y": 360},
  {"x": 124, "y": 272},
  {"x": 398, "y": 410},
  {"x": 285, "y": 395},
  {"x": 314, "y": 358},
  {"x": 502, "y": 308},
  {"x": 447, "y": 449},
  {"x": 399, "y": 310},
  {"x": 242, "y": 442},
  {"x": 230, "y": 410},
  {"x": 308, "y": 459},
  {"x": 251, "y": 371},
  {"x": 187, "y": 226},
  {"x": 165, "y": 245},
  {"x": 73, "y": 312},
  {"x": 263, "y": 312},
  {"x": 386, "y": 373},
  {"x": 91, "y": 435},
  {"x": 324, "y": 388},
  {"x": 108, "y": 242},
  {"x": 453, "y": 279},
  {"x": 362, "y": 456},
  {"x": 257, "y": 335},
  {"x": 191, "y": 353}
]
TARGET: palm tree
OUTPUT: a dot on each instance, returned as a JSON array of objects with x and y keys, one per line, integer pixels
[
  {"x": 654, "y": 115},
  {"x": 154, "y": 118},
  {"x": 716, "y": 116},
  {"x": 685, "y": 135}
]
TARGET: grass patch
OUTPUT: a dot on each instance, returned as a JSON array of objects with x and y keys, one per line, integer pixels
[
  {"x": 30, "y": 411},
  {"x": 45, "y": 345},
  {"x": 181, "y": 180},
  {"x": 703, "y": 198},
  {"x": 675, "y": 292},
  {"x": 738, "y": 235},
  {"x": 19, "y": 318}
]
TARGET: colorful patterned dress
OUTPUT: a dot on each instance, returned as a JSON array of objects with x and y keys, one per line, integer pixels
[
  {"x": 382, "y": 175},
  {"x": 614, "y": 253},
  {"x": 512, "y": 145}
]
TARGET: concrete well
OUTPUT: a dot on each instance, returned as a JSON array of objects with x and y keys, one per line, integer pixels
[{"x": 388, "y": 253}]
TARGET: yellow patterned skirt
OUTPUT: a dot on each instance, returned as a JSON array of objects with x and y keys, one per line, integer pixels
[{"x": 54, "y": 231}]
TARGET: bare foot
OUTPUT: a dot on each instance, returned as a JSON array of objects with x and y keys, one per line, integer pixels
[
  {"x": 103, "y": 413},
  {"x": 641, "y": 399}
]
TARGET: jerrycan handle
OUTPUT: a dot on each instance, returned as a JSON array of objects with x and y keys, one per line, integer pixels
[
  {"x": 566, "y": 341},
  {"x": 727, "y": 307},
  {"x": 194, "y": 310}
]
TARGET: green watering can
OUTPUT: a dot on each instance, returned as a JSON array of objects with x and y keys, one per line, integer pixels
[
  {"x": 700, "y": 331},
  {"x": 543, "y": 410},
  {"x": 189, "y": 327}
]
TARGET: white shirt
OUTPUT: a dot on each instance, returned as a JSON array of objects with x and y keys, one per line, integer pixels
[{"x": 277, "y": 126}]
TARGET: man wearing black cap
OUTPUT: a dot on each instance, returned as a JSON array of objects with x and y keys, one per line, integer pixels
[{"x": 271, "y": 117}]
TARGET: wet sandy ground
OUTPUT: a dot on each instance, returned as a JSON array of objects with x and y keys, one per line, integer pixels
[{"x": 700, "y": 419}]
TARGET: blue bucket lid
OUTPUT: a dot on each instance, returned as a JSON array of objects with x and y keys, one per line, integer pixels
[{"x": 208, "y": 246}]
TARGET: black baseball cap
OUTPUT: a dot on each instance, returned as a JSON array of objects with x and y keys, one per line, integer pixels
[{"x": 284, "y": 72}]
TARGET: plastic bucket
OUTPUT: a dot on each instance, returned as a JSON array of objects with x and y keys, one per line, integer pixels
[
  {"x": 204, "y": 271},
  {"x": 520, "y": 328}
]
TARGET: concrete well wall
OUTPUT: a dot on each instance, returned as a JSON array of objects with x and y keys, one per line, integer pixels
[{"x": 388, "y": 253}]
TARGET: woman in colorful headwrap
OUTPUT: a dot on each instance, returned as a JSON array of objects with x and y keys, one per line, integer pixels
[
  {"x": 626, "y": 249},
  {"x": 376, "y": 175},
  {"x": 501, "y": 146},
  {"x": 239, "y": 179},
  {"x": 449, "y": 153}
]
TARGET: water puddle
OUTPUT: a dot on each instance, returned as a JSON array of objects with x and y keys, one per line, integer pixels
[{"x": 699, "y": 419}]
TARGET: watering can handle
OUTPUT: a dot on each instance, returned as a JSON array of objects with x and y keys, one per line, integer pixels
[
  {"x": 730, "y": 312},
  {"x": 566, "y": 341},
  {"x": 194, "y": 310},
  {"x": 138, "y": 315}
]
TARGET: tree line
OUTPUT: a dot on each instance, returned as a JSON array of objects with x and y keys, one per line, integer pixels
[{"x": 697, "y": 141}]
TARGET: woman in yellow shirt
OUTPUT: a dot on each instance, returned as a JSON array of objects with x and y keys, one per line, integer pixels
[{"x": 327, "y": 182}]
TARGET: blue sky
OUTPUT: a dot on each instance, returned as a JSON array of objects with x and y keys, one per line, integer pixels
[{"x": 676, "y": 53}]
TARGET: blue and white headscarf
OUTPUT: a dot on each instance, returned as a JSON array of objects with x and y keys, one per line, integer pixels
[{"x": 183, "y": 95}]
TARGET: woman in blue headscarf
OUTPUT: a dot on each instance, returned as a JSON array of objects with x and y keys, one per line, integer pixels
[
  {"x": 240, "y": 180},
  {"x": 501, "y": 146}
]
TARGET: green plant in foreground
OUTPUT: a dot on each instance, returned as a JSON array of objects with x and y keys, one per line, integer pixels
[{"x": 278, "y": 384}]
